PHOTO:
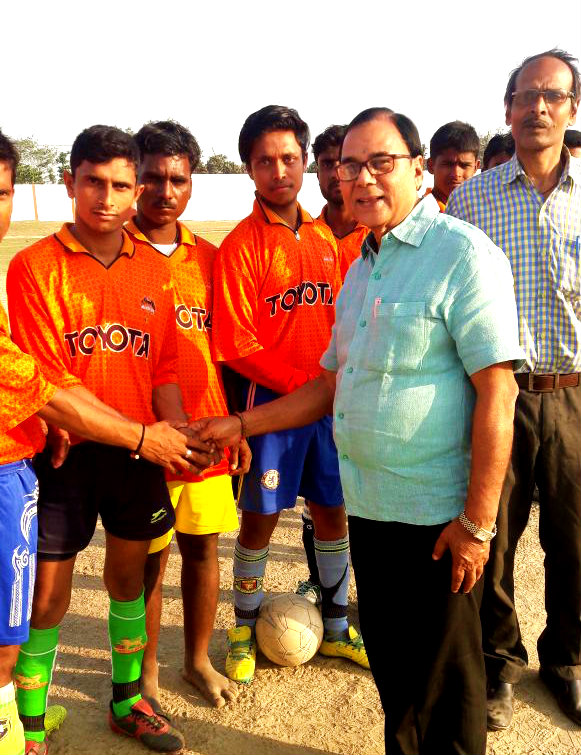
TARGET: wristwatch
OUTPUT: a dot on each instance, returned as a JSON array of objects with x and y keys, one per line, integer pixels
[{"x": 478, "y": 532}]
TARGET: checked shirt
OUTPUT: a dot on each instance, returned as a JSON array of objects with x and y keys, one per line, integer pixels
[{"x": 542, "y": 240}]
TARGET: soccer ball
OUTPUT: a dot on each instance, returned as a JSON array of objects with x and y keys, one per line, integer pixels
[{"x": 289, "y": 629}]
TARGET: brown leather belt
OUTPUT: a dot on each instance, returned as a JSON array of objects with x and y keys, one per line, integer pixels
[{"x": 546, "y": 383}]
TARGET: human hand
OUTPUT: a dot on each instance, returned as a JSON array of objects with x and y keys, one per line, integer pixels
[
  {"x": 59, "y": 442},
  {"x": 168, "y": 446},
  {"x": 224, "y": 431},
  {"x": 240, "y": 458},
  {"x": 469, "y": 555}
]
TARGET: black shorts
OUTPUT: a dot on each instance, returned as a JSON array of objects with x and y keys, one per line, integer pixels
[{"x": 129, "y": 494}]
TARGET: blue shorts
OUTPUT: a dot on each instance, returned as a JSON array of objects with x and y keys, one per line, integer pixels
[
  {"x": 290, "y": 463},
  {"x": 18, "y": 533}
]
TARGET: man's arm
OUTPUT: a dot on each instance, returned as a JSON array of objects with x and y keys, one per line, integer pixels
[
  {"x": 167, "y": 402},
  {"x": 307, "y": 404},
  {"x": 161, "y": 443},
  {"x": 492, "y": 430}
]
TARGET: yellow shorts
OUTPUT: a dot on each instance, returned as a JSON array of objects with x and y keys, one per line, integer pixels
[{"x": 202, "y": 508}]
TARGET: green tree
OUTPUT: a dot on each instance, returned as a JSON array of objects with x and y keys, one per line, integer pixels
[
  {"x": 62, "y": 164},
  {"x": 312, "y": 167},
  {"x": 221, "y": 164},
  {"x": 38, "y": 163}
]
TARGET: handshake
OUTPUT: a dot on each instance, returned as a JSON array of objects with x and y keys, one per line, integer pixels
[
  {"x": 206, "y": 440},
  {"x": 181, "y": 446}
]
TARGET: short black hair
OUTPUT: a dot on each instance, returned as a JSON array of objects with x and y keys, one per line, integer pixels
[
  {"x": 455, "y": 135},
  {"x": 404, "y": 125},
  {"x": 332, "y": 136},
  {"x": 561, "y": 55},
  {"x": 168, "y": 138},
  {"x": 101, "y": 144},
  {"x": 9, "y": 154},
  {"x": 272, "y": 118},
  {"x": 572, "y": 138},
  {"x": 498, "y": 143}
]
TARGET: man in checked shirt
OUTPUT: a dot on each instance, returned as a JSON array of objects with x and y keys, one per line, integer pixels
[{"x": 531, "y": 208}]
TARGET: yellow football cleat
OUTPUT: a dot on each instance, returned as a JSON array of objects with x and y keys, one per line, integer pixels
[
  {"x": 53, "y": 718},
  {"x": 241, "y": 658},
  {"x": 353, "y": 648}
]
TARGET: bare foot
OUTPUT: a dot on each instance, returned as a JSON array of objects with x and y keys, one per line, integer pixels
[
  {"x": 149, "y": 682},
  {"x": 215, "y": 687}
]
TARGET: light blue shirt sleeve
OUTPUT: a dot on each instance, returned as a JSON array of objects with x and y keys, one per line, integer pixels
[
  {"x": 482, "y": 318},
  {"x": 329, "y": 360}
]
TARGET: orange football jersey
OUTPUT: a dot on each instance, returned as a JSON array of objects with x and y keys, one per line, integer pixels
[
  {"x": 349, "y": 246},
  {"x": 111, "y": 329},
  {"x": 23, "y": 391},
  {"x": 199, "y": 378},
  {"x": 274, "y": 288}
]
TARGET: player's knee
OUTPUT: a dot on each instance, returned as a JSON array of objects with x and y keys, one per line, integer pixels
[
  {"x": 330, "y": 523},
  {"x": 256, "y": 529},
  {"x": 49, "y": 608},
  {"x": 8, "y": 658},
  {"x": 124, "y": 587},
  {"x": 196, "y": 548}
]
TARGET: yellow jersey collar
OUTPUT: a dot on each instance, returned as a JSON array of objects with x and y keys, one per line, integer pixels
[
  {"x": 70, "y": 242},
  {"x": 269, "y": 216}
]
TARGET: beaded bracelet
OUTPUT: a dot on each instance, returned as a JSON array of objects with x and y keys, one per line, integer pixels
[{"x": 135, "y": 454}]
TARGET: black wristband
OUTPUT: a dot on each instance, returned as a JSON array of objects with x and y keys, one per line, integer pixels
[{"x": 135, "y": 454}]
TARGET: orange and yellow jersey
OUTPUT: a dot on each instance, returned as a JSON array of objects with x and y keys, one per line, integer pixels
[
  {"x": 110, "y": 329},
  {"x": 274, "y": 289},
  {"x": 349, "y": 246},
  {"x": 441, "y": 205},
  {"x": 23, "y": 391},
  {"x": 199, "y": 378}
]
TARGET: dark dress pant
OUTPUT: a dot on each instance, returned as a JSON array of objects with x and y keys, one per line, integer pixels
[
  {"x": 546, "y": 451},
  {"x": 423, "y": 642}
]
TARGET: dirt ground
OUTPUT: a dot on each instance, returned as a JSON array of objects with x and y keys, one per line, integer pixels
[{"x": 325, "y": 706}]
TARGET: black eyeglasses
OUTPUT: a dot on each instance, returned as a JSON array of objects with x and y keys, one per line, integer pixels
[
  {"x": 550, "y": 96},
  {"x": 376, "y": 166}
]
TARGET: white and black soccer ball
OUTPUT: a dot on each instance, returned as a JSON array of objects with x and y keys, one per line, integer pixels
[{"x": 289, "y": 629}]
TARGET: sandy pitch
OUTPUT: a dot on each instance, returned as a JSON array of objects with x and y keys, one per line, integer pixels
[{"x": 325, "y": 706}]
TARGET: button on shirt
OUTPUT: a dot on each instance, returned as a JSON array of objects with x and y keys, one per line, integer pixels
[
  {"x": 542, "y": 239},
  {"x": 433, "y": 305}
]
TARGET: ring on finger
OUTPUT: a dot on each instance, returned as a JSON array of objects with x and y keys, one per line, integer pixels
[{"x": 188, "y": 453}]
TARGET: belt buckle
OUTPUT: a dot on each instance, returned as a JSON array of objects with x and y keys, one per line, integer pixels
[{"x": 554, "y": 387}]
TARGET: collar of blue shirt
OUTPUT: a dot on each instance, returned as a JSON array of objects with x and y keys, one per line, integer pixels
[
  {"x": 412, "y": 228},
  {"x": 513, "y": 169}
]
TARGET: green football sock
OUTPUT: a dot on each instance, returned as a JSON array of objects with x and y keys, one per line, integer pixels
[
  {"x": 128, "y": 640},
  {"x": 11, "y": 732},
  {"x": 32, "y": 676}
]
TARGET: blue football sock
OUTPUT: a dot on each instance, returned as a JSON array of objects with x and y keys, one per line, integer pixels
[
  {"x": 333, "y": 563},
  {"x": 249, "y": 566}
]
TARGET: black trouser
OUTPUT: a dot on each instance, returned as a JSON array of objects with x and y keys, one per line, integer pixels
[
  {"x": 423, "y": 642},
  {"x": 546, "y": 450}
]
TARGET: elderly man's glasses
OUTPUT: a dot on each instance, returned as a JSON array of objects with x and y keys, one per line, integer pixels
[
  {"x": 550, "y": 96},
  {"x": 376, "y": 166}
]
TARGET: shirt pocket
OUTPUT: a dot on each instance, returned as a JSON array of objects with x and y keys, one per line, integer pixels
[
  {"x": 396, "y": 338},
  {"x": 569, "y": 268}
]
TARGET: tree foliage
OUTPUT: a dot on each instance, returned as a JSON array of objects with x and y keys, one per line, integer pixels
[
  {"x": 38, "y": 163},
  {"x": 221, "y": 164}
]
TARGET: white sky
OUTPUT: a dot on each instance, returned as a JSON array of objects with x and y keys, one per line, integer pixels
[{"x": 68, "y": 65}]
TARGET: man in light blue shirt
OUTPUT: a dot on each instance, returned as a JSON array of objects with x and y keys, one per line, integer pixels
[{"x": 420, "y": 368}]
